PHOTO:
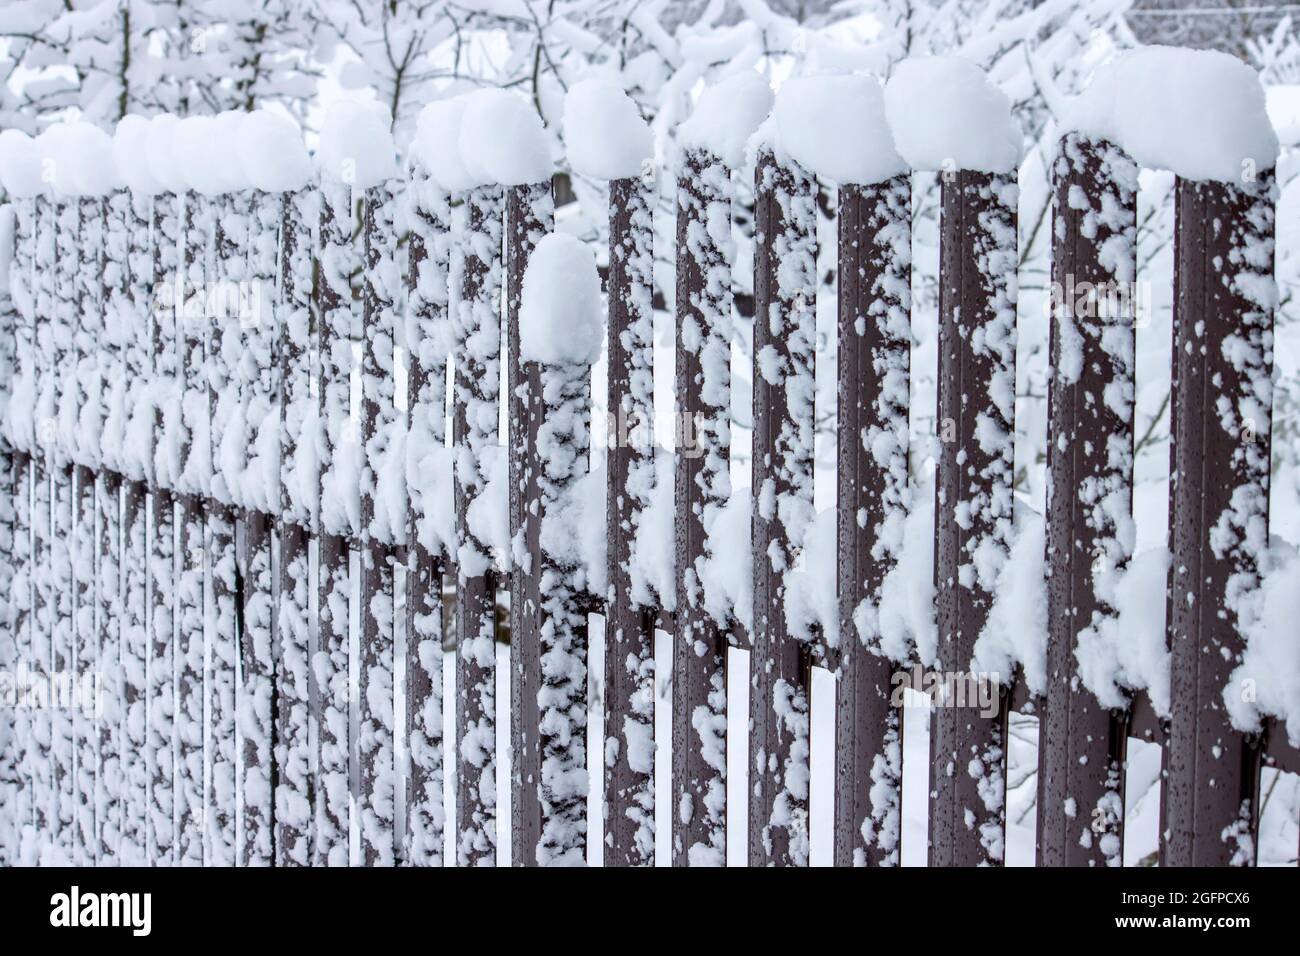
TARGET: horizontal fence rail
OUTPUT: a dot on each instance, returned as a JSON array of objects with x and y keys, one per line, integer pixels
[{"x": 284, "y": 587}]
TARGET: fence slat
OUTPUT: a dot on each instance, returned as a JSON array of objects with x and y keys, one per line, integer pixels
[
  {"x": 785, "y": 282},
  {"x": 191, "y": 290},
  {"x": 258, "y": 316},
  {"x": 22, "y": 598},
  {"x": 294, "y": 791},
  {"x": 223, "y": 352},
  {"x": 161, "y": 702},
  {"x": 1218, "y": 508},
  {"x": 530, "y": 214},
  {"x": 973, "y": 501},
  {"x": 427, "y": 338},
  {"x": 378, "y": 535},
  {"x": 140, "y": 367},
  {"x": 336, "y": 327},
  {"x": 475, "y": 281},
  {"x": 702, "y": 485},
  {"x": 65, "y": 391},
  {"x": 630, "y": 465},
  {"x": 1090, "y": 468},
  {"x": 874, "y": 269}
]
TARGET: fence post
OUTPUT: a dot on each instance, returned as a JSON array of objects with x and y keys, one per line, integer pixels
[
  {"x": 336, "y": 320},
  {"x": 21, "y": 605},
  {"x": 530, "y": 214},
  {"x": 45, "y": 818},
  {"x": 558, "y": 441},
  {"x": 110, "y": 605},
  {"x": 1090, "y": 472},
  {"x": 702, "y": 487},
  {"x": 874, "y": 269},
  {"x": 161, "y": 702},
  {"x": 65, "y": 393},
  {"x": 785, "y": 288},
  {"x": 973, "y": 501},
  {"x": 91, "y": 344},
  {"x": 257, "y": 313},
  {"x": 427, "y": 340},
  {"x": 12, "y": 571},
  {"x": 630, "y": 469},
  {"x": 1219, "y": 470},
  {"x": 229, "y": 266},
  {"x": 191, "y": 326},
  {"x": 293, "y": 797},
  {"x": 476, "y": 328},
  {"x": 142, "y": 400},
  {"x": 378, "y": 536}
]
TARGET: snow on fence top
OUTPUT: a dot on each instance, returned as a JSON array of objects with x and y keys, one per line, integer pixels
[
  {"x": 835, "y": 127},
  {"x": 272, "y": 153},
  {"x": 356, "y": 145},
  {"x": 20, "y": 164},
  {"x": 1197, "y": 113},
  {"x": 131, "y": 152},
  {"x": 726, "y": 116},
  {"x": 502, "y": 139},
  {"x": 560, "y": 312},
  {"x": 604, "y": 133},
  {"x": 487, "y": 137},
  {"x": 946, "y": 114}
]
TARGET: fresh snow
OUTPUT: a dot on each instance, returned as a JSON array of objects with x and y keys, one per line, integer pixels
[
  {"x": 726, "y": 116},
  {"x": 835, "y": 127},
  {"x": 1198, "y": 113},
  {"x": 561, "y": 314},
  {"x": 604, "y": 133},
  {"x": 946, "y": 114}
]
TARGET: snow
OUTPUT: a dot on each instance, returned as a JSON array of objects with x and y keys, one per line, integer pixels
[
  {"x": 726, "y": 116},
  {"x": 356, "y": 145},
  {"x": 439, "y": 125},
  {"x": 1015, "y": 633},
  {"x": 271, "y": 152},
  {"x": 161, "y": 154},
  {"x": 200, "y": 157},
  {"x": 1200, "y": 114},
  {"x": 1127, "y": 650},
  {"x": 502, "y": 140},
  {"x": 20, "y": 164},
  {"x": 1267, "y": 681},
  {"x": 561, "y": 317},
  {"x": 130, "y": 153},
  {"x": 946, "y": 114},
  {"x": 835, "y": 127},
  {"x": 604, "y": 133}
]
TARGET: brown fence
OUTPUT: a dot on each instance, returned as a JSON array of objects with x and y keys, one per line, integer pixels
[{"x": 145, "y": 519}]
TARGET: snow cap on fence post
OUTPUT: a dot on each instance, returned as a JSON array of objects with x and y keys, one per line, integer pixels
[
  {"x": 131, "y": 153},
  {"x": 202, "y": 157},
  {"x": 726, "y": 116},
  {"x": 502, "y": 139},
  {"x": 1198, "y": 113},
  {"x": 604, "y": 132},
  {"x": 946, "y": 115},
  {"x": 94, "y": 169},
  {"x": 161, "y": 153},
  {"x": 437, "y": 128},
  {"x": 20, "y": 164},
  {"x": 835, "y": 127},
  {"x": 272, "y": 153},
  {"x": 560, "y": 320},
  {"x": 356, "y": 145},
  {"x": 57, "y": 148}
]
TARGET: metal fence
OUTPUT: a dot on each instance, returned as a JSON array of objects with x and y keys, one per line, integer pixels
[{"x": 154, "y": 538}]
